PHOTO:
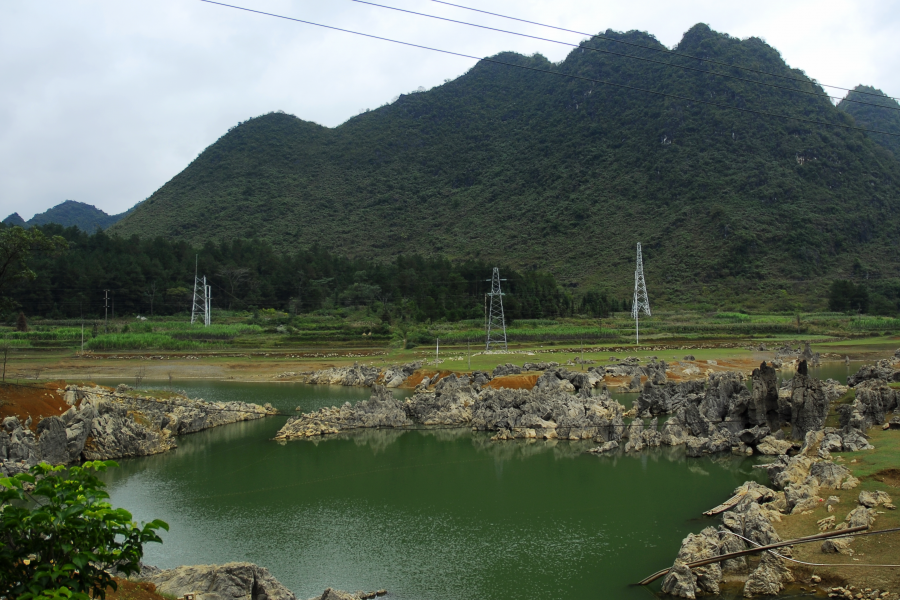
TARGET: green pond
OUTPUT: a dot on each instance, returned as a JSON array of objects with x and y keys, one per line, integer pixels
[{"x": 426, "y": 515}]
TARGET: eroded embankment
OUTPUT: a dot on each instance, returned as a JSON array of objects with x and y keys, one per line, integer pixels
[{"x": 61, "y": 424}]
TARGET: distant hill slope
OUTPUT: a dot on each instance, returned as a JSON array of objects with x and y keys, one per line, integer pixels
[
  {"x": 873, "y": 117},
  {"x": 84, "y": 216},
  {"x": 15, "y": 219},
  {"x": 537, "y": 170}
]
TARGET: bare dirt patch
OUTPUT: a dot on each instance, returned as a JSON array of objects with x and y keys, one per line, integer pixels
[
  {"x": 35, "y": 400},
  {"x": 524, "y": 381},
  {"x": 133, "y": 590},
  {"x": 889, "y": 477}
]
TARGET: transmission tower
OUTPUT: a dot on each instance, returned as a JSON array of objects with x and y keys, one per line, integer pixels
[
  {"x": 200, "y": 308},
  {"x": 641, "y": 301},
  {"x": 496, "y": 325}
]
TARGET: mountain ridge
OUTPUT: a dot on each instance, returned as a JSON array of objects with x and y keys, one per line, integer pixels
[
  {"x": 68, "y": 213},
  {"x": 538, "y": 170}
]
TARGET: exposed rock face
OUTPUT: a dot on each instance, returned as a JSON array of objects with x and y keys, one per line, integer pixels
[
  {"x": 550, "y": 414},
  {"x": 360, "y": 375},
  {"x": 833, "y": 389},
  {"x": 748, "y": 520},
  {"x": 874, "y": 400},
  {"x": 885, "y": 370},
  {"x": 395, "y": 376},
  {"x": 765, "y": 397},
  {"x": 873, "y": 499},
  {"x": 543, "y": 366},
  {"x": 666, "y": 399},
  {"x": 115, "y": 433},
  {"x": 538, "y": 413},
  {"x": 809, "y": 406},
  {"x": 231, "y": 581},
  {"x": 507, "y": 369},
  {"x": 555, "y": 380},
  {"x": 726, "y": 399},
  {"x": 685, "y": 583},
  {"x": 108, "y": 425},
  {"x": 768, "y": 578},
  {"x": 380, "y": 410},
  {"x": 772, "y": 446}
]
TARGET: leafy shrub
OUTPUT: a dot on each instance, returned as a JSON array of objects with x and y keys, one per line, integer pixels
[{"x": 60, "y": 538}]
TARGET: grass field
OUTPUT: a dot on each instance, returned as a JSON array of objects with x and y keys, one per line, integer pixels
[{"x": 682, "y": 332}]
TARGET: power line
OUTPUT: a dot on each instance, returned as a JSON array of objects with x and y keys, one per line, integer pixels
[
  {"x": 664, "y": 50},
  {"x": 631, "y": 56},
  {"x": 569, "y": 75}
]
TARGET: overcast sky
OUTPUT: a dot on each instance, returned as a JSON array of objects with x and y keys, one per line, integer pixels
[{"x": 103, "y": 101}]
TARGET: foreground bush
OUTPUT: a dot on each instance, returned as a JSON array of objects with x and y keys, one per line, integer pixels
[{"x": 58, "y": 539}]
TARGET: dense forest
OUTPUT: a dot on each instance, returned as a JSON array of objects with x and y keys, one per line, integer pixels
[
  {"x": 155, "y": 277},
  {"x": 526, "y": 168}
]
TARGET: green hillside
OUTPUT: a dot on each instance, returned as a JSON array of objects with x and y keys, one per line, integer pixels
[
  {"x": 535, "y": 170},
  {"x": 873, "y": 117},
  {"x": 69, "y": 213}
]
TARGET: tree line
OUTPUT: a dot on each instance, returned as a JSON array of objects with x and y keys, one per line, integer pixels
[{"x": 90, "y": 275}]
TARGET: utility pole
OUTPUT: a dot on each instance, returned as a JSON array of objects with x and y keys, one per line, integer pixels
[
  {"x": 496, "y": 324},
  {"x": 641, "y": 301},
  {"x": 106, "y": 311},
  {"x": 437, "y": 348},
  {"x": 82, "y": 338},
  {"x": 469, "y": 353},
  {"x": 208, "y": 289}
]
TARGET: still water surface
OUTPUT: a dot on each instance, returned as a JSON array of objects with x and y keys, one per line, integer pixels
[{"x": 425, "y": 514}]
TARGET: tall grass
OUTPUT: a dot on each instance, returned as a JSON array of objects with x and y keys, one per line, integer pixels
[
  {"x": 144, "y": 341},
  {"x": 58, "y": 334}
]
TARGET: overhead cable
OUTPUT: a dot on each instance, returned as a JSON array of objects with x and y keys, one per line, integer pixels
[
  {"x": 631, "y": 56},
  {"x": 557, "y": 73},
  {"x": 665, "y": 50}
]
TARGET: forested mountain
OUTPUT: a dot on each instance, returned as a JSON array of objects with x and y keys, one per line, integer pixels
[
  {"x": 873, "y": 117},
  {"x": 535, "y": 170},
  {"x": 69, "y": 213}
]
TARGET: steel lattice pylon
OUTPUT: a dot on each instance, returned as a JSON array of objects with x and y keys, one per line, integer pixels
[
  {"x": 641, "y": 302},
  {"x": 496, "y": 325},
  {"x": 201, "y": 304}
]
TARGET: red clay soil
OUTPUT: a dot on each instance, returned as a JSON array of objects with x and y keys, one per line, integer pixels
[
  {"x": 525, "y": 381},
  {"x": 416, "y": 378},
  {"x": 35, "y": 400}
]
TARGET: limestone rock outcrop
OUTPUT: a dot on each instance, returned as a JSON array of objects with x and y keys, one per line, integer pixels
[
  {"x": 109, "y": 424},
  {"x": 231, "y": 581},
  {"x": 765, "y": 397},
  {"x": 809, "y": 405},
  {"x": 537, "y": 413},
  {"x": 885, "y": 370}
]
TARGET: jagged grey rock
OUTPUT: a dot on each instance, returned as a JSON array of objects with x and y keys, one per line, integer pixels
[
  {"x": 703, "y": 579},
  {"x": 765, "y": 397},
  {"x": 874, "y": 400},
  {"x": 726, "y": 399},
  {"x": 52, "y": 441},
  {"x": 231, "y": 581},
  {"x": 809, "y": 406},
  {"x": 885, "y": 370},
  {"x": 540, "y": 413},
  {"x": 668, "y": 398},
  {"x": 768, "y": 578}
]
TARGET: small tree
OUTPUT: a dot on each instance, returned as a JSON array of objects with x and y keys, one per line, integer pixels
[
  {"x": 60, "y": 539},
  {"x": 21, "y": 322}
]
